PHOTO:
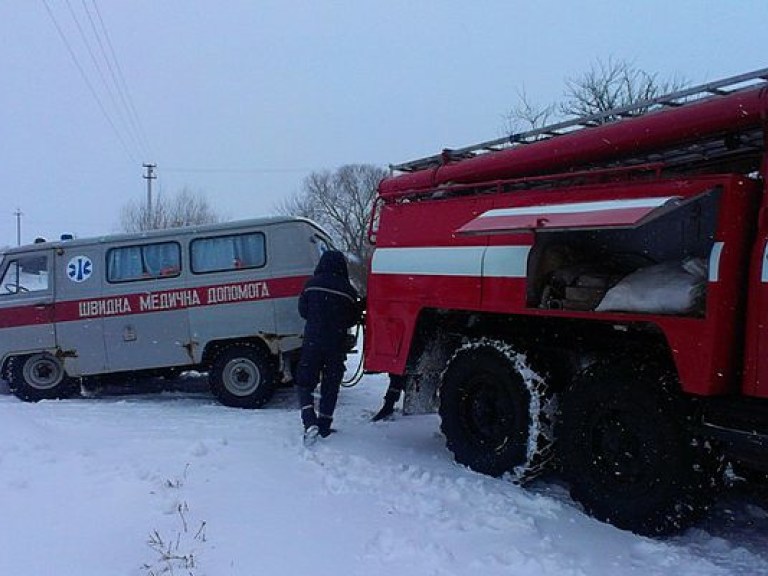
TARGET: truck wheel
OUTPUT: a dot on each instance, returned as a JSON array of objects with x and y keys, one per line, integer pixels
[
  {"x": 243, "y": 376},
  {"x": 495, "y": 412},
  {"x": 626, "y": 452},
  {"x": 39, "y": 377}
]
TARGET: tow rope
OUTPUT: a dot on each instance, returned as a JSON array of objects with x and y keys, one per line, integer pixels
[{"x": 358, "y": 373}]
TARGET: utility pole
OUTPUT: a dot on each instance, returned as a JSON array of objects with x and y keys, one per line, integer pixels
[
  {"x": 149, "y": 176},
  {"x": 18, "y": 226}
]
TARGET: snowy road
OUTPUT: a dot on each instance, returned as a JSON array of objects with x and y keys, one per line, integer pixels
[{"x": 114, "y": 484}]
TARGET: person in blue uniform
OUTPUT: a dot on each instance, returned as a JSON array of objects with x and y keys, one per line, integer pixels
[{"x": 329, "y": 304}]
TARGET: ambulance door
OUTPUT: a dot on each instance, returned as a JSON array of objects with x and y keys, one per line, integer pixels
[
  {"x": 235, "y": 280},
  {"x": 145, "y": 305},
  {"x": 26, "y": 303},
  {"x": 79, "y": 273}
]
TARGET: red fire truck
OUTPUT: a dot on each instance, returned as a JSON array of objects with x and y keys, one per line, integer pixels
[{"x": 592, "y": 296}]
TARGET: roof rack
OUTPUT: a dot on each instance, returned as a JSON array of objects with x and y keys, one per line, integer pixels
[{"x": 676, "y": 99}]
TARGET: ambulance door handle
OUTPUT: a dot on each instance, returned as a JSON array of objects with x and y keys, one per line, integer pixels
[{"x": 43, "y": 306}]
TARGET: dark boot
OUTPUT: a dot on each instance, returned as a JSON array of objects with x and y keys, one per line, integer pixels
[
  {"x": 324, "y": 426},
  {"x": 390, "y": 399}
]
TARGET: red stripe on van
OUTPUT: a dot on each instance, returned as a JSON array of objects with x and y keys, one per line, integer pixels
[
  {"x": 146, "y": 302},
  {"x": 25, "y": 315}
]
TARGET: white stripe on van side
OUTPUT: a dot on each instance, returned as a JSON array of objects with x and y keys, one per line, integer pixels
[{"x": 476, "y": 261}]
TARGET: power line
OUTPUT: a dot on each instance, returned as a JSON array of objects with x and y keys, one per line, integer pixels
[
  {"x": 118, "y": 109},
  {"x": 240, "y": 170},
  {"x": 87, "y": 81},
  {"x": 125, "y": 93}
]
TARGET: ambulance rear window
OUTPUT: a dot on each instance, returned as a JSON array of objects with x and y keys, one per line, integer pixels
[{"x": 223, "y": 253}]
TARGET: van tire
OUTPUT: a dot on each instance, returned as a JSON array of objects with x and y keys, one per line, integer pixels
[
  {"x": 40, "y": 377},
  {"x": 242, "y": 376}
]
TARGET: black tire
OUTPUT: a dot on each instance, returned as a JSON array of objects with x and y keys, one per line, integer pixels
[
  {"x": 40, "y": 377},
  {"x": 495, "y": 412},
  {"x": 626, "y": 451},
  {"x": 243, "y": 376}
]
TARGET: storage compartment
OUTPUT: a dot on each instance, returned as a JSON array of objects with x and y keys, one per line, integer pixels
[{"x": 659, "y": 267}]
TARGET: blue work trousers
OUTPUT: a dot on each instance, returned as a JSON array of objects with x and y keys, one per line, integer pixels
[{"x": 319, "y": 365}]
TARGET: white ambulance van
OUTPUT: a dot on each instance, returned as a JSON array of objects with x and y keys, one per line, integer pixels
[{"x": 218, "y": 298}]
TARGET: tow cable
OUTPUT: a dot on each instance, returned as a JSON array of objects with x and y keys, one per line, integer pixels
[{"x": 358, "y": 373}]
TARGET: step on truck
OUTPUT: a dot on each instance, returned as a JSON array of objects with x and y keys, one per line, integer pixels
[
  {"x": 592, "y": 297},
  {"x": 219, "y": 298}
]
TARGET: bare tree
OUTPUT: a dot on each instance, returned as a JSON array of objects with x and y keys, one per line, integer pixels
[
  {"x": 184, "y": 209},
  {"x": 341, "y": 202},
  {"x": 613, "y": 84},
  {"x": 526, "y": 116},
  {"x": 607, "y": 85}
]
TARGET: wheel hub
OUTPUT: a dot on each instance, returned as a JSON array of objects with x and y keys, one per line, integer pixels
[
  {"x": 242, "y": 377},
  {"x": 42, "y": 372},
  {"x": 485, "y": 415},
  {"x": 617, "y": 450}
]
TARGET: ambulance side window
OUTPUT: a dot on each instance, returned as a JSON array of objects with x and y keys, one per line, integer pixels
[
  {"x": 145, "y": 262},
  {"x": 222, "y": 253},
  {"x": 25, "y": 274}
]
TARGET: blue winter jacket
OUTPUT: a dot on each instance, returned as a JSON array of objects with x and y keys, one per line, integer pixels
[{"x": 329, "y": 303}]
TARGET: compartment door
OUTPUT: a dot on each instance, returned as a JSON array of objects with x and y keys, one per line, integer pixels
[{"x": 612, "y": 213}]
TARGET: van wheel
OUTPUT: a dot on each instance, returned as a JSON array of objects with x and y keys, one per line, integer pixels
[
  {"x": 40, "y": 377},
  {"x": 496, "y": 413},
  {"x": 242, "y": 376},
  {"x": 626, "y": 451}
]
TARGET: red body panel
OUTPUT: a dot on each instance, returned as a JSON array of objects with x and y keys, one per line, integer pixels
[
  {"x": 707, "y": 351},
  {"x": 756, "y": 341}
]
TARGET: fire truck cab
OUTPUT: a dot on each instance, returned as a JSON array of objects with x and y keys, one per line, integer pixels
[{"x": 591, "y": 296}]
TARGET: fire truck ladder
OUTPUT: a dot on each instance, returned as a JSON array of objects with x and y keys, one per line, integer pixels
[{"x": 673, "y": 100}]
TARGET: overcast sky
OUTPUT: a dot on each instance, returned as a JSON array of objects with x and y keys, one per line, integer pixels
[{"x": 240, "y": 99}]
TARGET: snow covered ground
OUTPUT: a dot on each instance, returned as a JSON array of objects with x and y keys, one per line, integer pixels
[{"x": 174, "y": 483}]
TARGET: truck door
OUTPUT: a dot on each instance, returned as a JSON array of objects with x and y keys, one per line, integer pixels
[
  {"x": 79, "y": 273},
  {"x": 756, "y": 343},
  {"x": 26, "y": 303},
  {"x": 144, "y": 305}
]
